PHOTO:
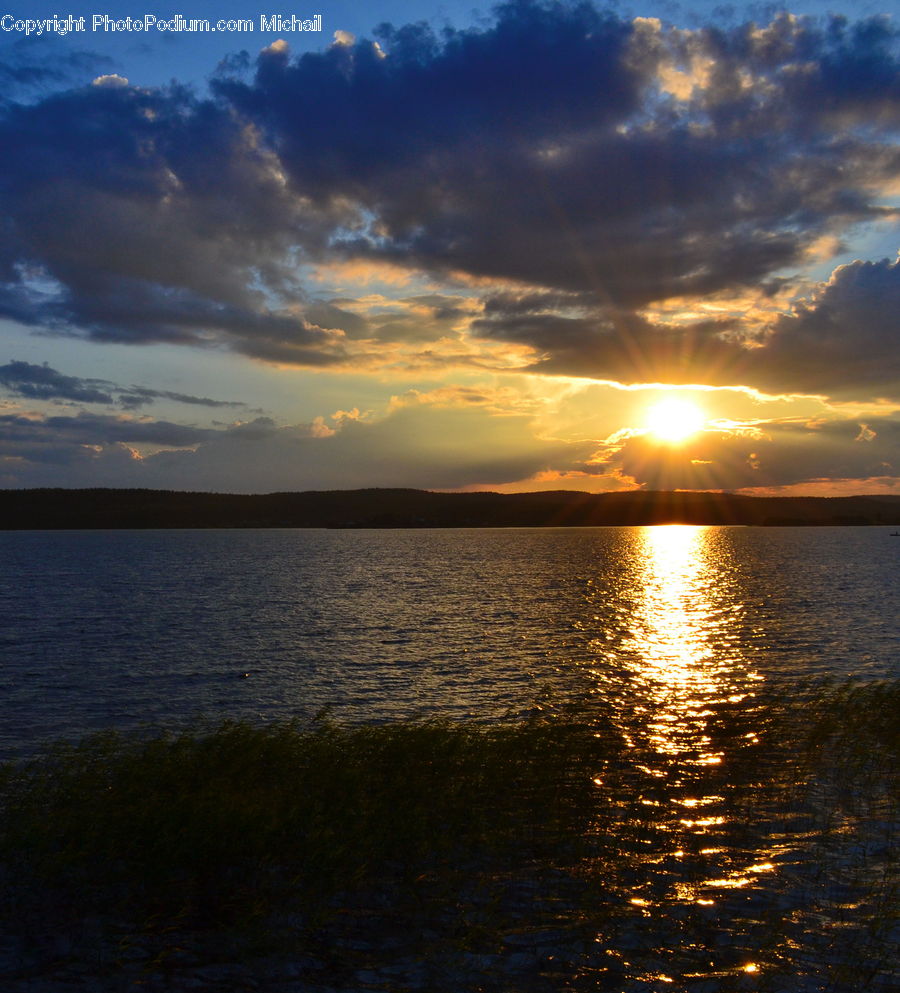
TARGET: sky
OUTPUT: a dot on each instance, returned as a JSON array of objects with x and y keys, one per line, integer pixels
[{"x": 535, "y": 246}]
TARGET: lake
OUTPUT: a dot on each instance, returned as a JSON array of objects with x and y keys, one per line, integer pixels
[
  {"x": 129, "y": 628},
  {"x": 743, "y": 831}
]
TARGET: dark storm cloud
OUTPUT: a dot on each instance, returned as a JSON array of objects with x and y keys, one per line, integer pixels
[
  {"x": 349, "y": 116},
  {"x": 607, "y": 189},
  {"x": 137, "y": 216},
  {"x": 845, "y": 341},
  {"x": 830, "y": 74},
  {"x": 41, "y": 382},
  {"x": 540, "y": 149},
  {"x": 595, "y": 159}
]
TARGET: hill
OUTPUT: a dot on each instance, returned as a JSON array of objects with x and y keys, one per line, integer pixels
[{"x": 405, "y": 508}]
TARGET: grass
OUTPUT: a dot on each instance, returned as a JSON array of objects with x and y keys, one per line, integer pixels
[
  {"x": 207, "y": 824},
  {"x": 236, "y": 828}
]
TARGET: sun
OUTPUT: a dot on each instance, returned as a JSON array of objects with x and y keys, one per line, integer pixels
[{"x": 674, "y": 420}]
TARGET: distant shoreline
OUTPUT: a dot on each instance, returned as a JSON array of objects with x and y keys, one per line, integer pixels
[{"x": 63, "y": 509}]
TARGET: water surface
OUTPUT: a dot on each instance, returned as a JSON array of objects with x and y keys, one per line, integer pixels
[
  {"x": 123, "y": 628},
  {"x": 725, "y": 863}
]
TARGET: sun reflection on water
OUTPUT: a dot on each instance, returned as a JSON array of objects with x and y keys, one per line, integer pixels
[
  {"x": 684, "y": 693},
  {"x": 681, "y": 652}
]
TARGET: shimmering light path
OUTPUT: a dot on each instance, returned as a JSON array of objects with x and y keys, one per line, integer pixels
[{"x": 692, "y": 708}]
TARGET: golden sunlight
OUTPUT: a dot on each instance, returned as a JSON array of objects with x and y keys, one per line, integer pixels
[{"x": 674, "y": 420}]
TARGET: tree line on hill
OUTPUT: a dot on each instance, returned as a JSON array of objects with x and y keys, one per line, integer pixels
[{"x": 406, "y": 508}]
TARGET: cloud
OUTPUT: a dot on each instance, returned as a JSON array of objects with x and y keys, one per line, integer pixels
[
  {"x": 82, "y": 450},
  {"x": 41, "y": 382},
  {"x": 424, "y": 442},
  {"x": 579, "y": 175},
  {"x": 841, "y": 343},
  {"x": 769, "y": 456},
  {"x": 110, "y": 79},
  {"x": 139, "y": 396},
  {"x": 572, "y": 338},
  {"x": 425, "y": 439},
  {"x": 140, "y": 216},
  {"x": 85, "y": 429},
  {"x": 583, "y": 172},
  {"x": 421, "y": 318},
  {"x": 427, "y": 447},
  {"x": 27, "y": 68}
]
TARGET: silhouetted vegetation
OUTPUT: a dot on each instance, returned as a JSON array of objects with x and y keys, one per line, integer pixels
[
  {"x": 302, "y": 839},
  {"x": 388, "y": 508},
  {"x": 213, "y": 825}
]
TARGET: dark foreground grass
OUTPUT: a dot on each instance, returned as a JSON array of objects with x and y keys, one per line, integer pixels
[
  {"x": 220, "y": 824},
  {"x": 233, "y": 828}
]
